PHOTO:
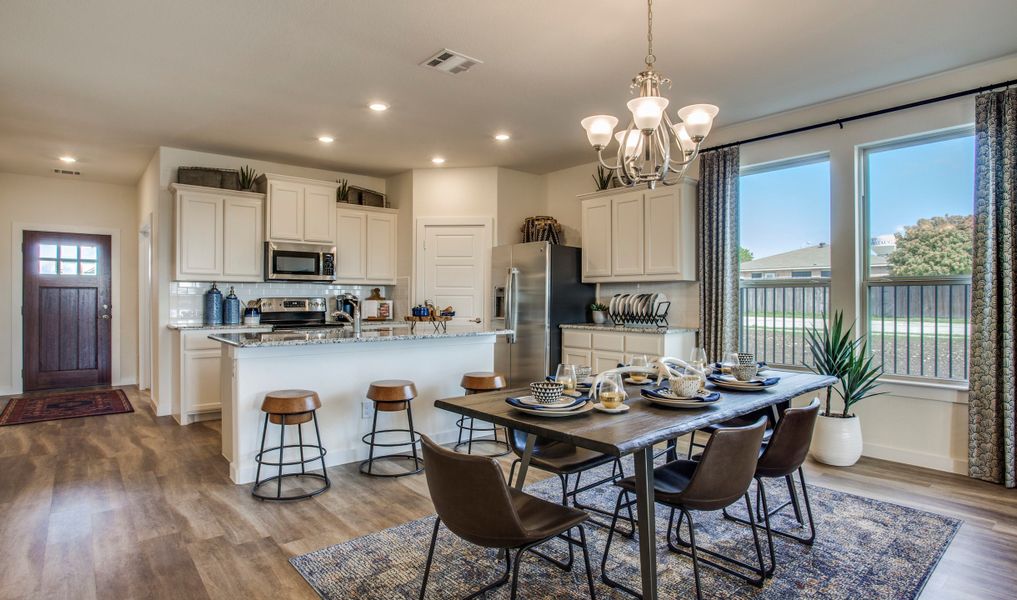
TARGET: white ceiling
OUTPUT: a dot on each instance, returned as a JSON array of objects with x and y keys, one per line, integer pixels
[{"x": 108, "y": 81}]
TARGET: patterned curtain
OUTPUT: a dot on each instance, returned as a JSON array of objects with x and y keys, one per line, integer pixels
[
  {"x": 717, "y": 267},
  {"x": 992, "y": 419}
]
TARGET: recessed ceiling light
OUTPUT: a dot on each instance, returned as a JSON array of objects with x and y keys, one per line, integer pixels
[
  {"x": 68, "y": 159},
  {"x": 502, "y": 137},
  {"x": 326, "y": 139},
  {"x": 378, "y": 106},
  {"x": 438, "y": 160}
]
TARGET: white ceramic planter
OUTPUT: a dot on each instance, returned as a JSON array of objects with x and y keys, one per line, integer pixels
[
  {"x": 599, "y": 317},
  {"x": 837, "y": 441}
]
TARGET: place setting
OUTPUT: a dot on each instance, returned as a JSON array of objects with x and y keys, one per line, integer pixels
[
  {"x": 558, "y": 396},
  {"x": 740, "y": 372}
]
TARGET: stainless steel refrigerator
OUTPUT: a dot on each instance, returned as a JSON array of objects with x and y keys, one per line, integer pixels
[{"x": 537, "y": 287}]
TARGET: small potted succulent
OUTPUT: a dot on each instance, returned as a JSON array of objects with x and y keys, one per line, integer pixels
[
  {"x": 837, "y": 440},
  {"x": 248, "y": 178},
  {"x": 599, "y": 312}
]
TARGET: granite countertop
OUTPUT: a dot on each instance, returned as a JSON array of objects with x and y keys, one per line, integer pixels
[
  {"x": 628, "y": 328},
  {"x": 345, "y": 335},
  {"x": 193, "y": 326}
]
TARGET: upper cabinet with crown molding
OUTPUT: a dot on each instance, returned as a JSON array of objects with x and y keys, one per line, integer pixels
[
  {"x": 365, "y": 244},
  {"x": 219, "y": 234},
  {"x": 299, "y": 210},
  {"x": 640, "y": 235}
]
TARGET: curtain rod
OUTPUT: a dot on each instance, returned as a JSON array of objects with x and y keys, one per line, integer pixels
[{"x": 875, "y": 113}]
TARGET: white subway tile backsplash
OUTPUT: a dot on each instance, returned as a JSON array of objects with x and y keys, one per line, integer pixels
[{"x": 186, "y": 298}]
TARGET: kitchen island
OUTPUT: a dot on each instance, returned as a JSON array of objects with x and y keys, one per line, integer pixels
[{"x": 340, "y": 365}]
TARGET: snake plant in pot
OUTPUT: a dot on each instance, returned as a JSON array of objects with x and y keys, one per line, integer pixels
[{"x": 835, "y": 351}]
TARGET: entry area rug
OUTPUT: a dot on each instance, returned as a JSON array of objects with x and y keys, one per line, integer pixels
[
  {"x": 64, "y": 405},
  {"x": 864, "y": 549}
]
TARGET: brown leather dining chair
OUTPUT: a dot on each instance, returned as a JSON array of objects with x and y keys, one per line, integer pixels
[
  {"x": 565, "y": 460},
  {"x": 474, "y": 502},
  {"x": 718, "y": 480},
  {"x": 782, "y": 456}
]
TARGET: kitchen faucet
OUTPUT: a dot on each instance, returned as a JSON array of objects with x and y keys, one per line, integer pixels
[{"x": 354, "y": 318}]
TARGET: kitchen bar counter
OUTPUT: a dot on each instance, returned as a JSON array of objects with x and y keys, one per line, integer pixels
[
  {"x": 628, "y": 328},
  {"x": 340, "y": 367},
  {"x": 345, "y": 335},
  {"x": 197, "y": 326}
]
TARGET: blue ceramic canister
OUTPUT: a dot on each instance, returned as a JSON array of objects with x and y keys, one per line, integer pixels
[
  {"x": 213, "y": 306},
  {"x": 231, "y": 309}
]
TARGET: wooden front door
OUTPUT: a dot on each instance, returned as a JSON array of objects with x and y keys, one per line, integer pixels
[{"x": 67, "y": 312}]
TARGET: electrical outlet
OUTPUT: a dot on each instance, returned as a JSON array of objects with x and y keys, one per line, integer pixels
[{"x": 366, "y": 410}]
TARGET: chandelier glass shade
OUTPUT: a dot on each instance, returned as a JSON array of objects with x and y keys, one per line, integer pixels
[{"x": 652, "y": 149}]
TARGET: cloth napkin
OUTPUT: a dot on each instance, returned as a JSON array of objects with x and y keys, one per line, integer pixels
[
  {"x": 657, "y": 393},
  {"x": 579, "y": 402},
  {"x": 764, "y": 383}
]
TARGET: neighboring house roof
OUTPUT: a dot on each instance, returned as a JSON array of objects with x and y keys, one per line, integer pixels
[{"x": 810, "y": 257}]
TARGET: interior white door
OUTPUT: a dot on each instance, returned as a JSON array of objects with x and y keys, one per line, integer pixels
[{"x": 453, "y": 265}]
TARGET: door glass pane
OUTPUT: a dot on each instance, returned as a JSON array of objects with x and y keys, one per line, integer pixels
[
  {"x": 68, "y": 251},
  {"x": 48, "y": 267},
  {"x": 88, "y": 253},
  {"x": 47, "y": 251},
  {"x": 68, "y": 267},
  {"x": 88, "y": 267}
]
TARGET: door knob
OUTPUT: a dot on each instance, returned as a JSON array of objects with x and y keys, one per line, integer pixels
[
  {"x": 105, "y": 317},
  {"x": 477, "y": 320}
]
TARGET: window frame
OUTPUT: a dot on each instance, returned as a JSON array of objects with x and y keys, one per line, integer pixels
[{"x": 866, "y": 282}]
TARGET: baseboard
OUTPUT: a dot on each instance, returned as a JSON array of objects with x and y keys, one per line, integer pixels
[{"x": 937, "y": 462}]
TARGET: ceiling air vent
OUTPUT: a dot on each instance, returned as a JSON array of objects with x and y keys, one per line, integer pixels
[
  {"x": 451, "y": 62},
  {"x": 66, "y": 172}
]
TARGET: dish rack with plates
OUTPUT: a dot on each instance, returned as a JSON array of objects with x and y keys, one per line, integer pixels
[{"x": 639, "y": 309}]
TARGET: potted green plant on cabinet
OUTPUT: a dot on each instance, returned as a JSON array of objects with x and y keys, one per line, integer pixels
[
  {"x": 838, "y": 437},
  {"x": 599, "y": 312}
]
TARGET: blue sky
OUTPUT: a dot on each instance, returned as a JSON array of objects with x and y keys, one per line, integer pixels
[{"x": 789, "y": 208}]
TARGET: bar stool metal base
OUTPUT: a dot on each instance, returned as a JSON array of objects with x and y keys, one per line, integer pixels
[
  {"x": 319, "y": 455},
  {"x": 366, "y": 467},
  {"x": 484, "y": 429}
]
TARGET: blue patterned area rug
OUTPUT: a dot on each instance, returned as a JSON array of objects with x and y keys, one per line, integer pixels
[{"x": 864, "y": 549}]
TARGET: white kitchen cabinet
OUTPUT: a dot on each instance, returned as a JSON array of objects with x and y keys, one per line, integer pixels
[
  {"x": 596, "y": 225},
  {"x": 299, "y": 210},
  {"x": 243, "y": 239},
  {"x": 351, "y": 246},
  {"x": 381, "y": 249},
  {"x": 627, "y": 235},
  {"x": 605, "y": 349},
  {"x": 219, "y": 234},
  {"x": 640, "y": 235},
  {"x": 319, "y": 214},
  {"x": 198, "y": 363},
  {"x": 366, "y": 245}
]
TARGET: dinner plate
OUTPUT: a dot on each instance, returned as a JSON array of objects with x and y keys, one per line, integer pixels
[
  {"x": 612, "y": 306},
  {"x": 756, "y": 385},
  {"x": 665, "y": 393},
  {"x": 646, "y": 381},
  {"x": 531, "y": 401},
  {"x": 587, "y": 407}
]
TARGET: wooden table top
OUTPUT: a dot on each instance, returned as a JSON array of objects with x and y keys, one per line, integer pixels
[{"x": 643, "y": 425}]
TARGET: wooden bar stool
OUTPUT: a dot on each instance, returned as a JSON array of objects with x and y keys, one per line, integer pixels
[
  {"x": 476, "y": 383},
  {"x": 392, "y": 395},
  {"x": 290, "y": 407}
]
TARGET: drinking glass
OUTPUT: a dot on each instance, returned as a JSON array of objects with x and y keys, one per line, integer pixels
[
  {"x": 698, "y": 362},
  {"x": 611, "y": 391},
  {"x": 730, "y": 360},
  {"x": 640, "y": 362},
  {"x": 566, "y": 375}
]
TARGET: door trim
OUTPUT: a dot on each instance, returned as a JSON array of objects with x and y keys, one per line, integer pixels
[
  {"x": 17, "y": 284},
  {"x": 419, "y": 235}
]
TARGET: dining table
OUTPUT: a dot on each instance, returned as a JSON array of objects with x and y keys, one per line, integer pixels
[{"x": 636, "y": 432}]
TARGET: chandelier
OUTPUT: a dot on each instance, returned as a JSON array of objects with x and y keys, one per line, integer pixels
[{"x": 646, "y": 146}]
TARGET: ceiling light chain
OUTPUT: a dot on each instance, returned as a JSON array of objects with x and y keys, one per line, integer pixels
[{"x": 645, "y": 146}]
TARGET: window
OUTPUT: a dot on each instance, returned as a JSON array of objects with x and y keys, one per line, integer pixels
[
  {"x": 68, "y": 260},
  {"x": 784, "y": 223},
  {"x": 918, "y": 202}
]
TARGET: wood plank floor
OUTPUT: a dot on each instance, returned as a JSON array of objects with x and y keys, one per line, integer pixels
[{"x": 135, "y": 506}]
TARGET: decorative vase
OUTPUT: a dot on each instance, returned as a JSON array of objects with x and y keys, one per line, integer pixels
[
  {"x": 837, "y": 441},
  {"x": 599, "y": 317}
]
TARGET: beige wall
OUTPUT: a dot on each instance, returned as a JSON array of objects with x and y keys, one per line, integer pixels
[
  {"x": 560, "y": 191},
  {"x": 50, "y": 203},
  {"x": 520, "y": 195}
]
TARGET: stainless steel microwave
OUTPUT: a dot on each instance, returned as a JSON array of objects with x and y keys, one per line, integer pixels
[{"x": 299, "y": 262}]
